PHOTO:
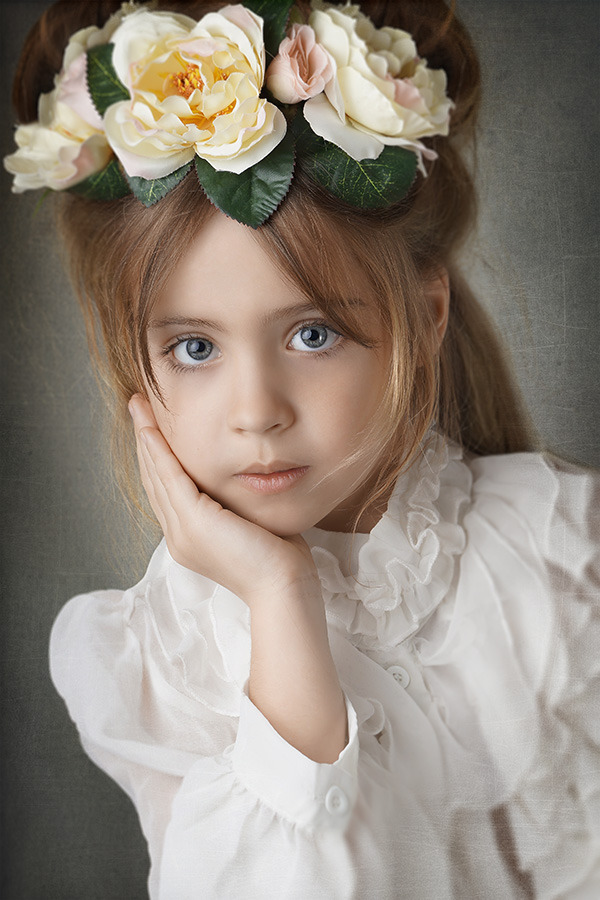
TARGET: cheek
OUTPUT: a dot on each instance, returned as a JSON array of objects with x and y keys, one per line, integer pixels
[
  {"x": 189, "y": 428},
  {"x": 353, "y": 399},
  {"x": 163, "y": 416},
  {"x": 188, "y": 409}
]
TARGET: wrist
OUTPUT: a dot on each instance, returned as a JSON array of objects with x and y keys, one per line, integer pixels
[{"x": 291, "y": 587}]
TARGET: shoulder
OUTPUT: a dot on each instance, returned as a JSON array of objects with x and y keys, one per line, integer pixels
[
  {"x": 533, "y": 543},
  {"x": 525, "y": 596},
  {"x": 530, "y": 574},
  {"x": 547, "y": 507},
  {"x": 90, "y": 638},
  {"x": 174, "y": 638}
]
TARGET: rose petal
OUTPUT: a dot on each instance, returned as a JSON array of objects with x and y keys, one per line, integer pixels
[
  {"x": 324, "y": 121},
  {"x": 140, "y": 153},
  {"x": 139, "y": 33},
  {"x": 94, "y": 155},
  {"x": 250, "y": 155},
  {"x": 282, "y": 83},
  {"x": 242, "y": 28},
  {"x": 331, "y": 36},
  {"x": 73, "y": 91},
  {"x": 78, "y": 44},
  {"x": 366, "y": 104},
  {"x": 407, "y": 95}
]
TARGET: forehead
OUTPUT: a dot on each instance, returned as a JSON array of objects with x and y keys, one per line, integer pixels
[
  {"x": 224, "y": 268},
  {"x": 227, "y": 266}
]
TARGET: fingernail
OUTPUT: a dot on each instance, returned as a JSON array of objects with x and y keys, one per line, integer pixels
[{"x": 131, "y": 408}]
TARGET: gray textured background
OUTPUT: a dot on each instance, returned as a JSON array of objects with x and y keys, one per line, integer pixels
[{"x": 68, "y": 832}]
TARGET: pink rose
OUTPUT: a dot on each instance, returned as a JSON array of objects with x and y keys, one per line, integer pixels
[{"x": 301, "y": 69}]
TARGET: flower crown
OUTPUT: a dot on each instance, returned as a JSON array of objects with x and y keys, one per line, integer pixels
[{"x": 152, "y": 94}]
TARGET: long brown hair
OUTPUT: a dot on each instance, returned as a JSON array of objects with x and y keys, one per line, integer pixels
[{"x": 121, "y": 254}]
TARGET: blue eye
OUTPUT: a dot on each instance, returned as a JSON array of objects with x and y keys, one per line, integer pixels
[
  {"x": 192, "y": 351},
  {"x": 314, "y": 337}
]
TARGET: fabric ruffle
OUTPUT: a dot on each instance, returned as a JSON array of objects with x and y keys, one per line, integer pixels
[{"x": 399, "y": 573}]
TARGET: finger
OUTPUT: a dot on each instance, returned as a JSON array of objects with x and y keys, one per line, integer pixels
[
  {"x": 142, "y": 416},
  {"x": 159, "y": 492},
  {"x": 174, "y": 488},
  {"x": 144, "y": 420},
  {"x": 145, "y": 423},
  {"x": 148, "y": 483},
  {"x": 142, "y": 413}
]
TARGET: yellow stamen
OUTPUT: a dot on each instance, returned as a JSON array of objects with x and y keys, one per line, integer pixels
[
  {"x": 185, "y": 83},
  {"x": 228, "y": 109}
]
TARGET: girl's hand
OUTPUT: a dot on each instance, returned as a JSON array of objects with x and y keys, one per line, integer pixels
[
  {"x": 203, "y": 536},
  {"x": 293, "y": 679}
]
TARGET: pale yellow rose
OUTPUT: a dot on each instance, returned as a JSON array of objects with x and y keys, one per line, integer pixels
[
  {"x": 66, "y": 144},
  {"x": 195, "y": 89},
  {"x": 301, "y": 68},
  {"x": 381, "y": 93}
]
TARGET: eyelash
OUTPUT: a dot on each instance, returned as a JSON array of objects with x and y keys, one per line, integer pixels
[{"x": 175, "y": 366}]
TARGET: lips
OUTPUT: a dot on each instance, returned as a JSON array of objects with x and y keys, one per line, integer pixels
[
  {"x": 276, "y": 465},
  {"x": 271, "y": 479}
]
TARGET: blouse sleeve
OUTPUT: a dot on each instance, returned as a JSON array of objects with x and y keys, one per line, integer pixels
[
  {"x": 209, "y": 788},
  {"x": 554, "y": 629}
]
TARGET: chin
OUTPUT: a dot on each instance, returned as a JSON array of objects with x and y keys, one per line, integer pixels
[
  {"x": 282, "y": 526},
  {"x": 283, "y": 522}
]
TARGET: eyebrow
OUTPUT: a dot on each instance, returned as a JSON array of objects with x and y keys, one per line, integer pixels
[{"x": 275, "y": 315}]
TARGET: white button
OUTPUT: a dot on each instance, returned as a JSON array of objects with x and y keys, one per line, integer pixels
[
  {"x": 401, "y": 675},
  {"x": 336, "y": 801}
]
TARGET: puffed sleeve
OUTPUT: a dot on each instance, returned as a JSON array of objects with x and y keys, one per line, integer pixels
[
  {"x": 549, "y": 515},
  {"x": 212, "y": 781}
]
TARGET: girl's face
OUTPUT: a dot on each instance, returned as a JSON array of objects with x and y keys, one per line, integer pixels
[{"x": 255, "y": 382}]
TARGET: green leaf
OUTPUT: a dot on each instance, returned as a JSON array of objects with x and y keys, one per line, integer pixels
[
  {"x": 275, "y": 14},
  {"x": 109, "y": 184},
  {"x": 102, "y": 80},
  {"x": 252, "y": 196},
  {"x": 150, "y": 191},
  {"x": 369, "y": 183}
]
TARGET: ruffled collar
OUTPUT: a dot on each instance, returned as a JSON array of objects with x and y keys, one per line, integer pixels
[{"x": 380, "y": 587}]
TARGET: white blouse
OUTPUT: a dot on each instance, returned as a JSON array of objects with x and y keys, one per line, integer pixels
[{"x": 467, "y": 642}]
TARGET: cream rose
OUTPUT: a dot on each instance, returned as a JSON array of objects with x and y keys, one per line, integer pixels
[
  {"x": 301, "y": 68},
  {"x": 381, "y": 93},
  {"x": 195, "y": 89},
  {"x": 67, "y": 143}
]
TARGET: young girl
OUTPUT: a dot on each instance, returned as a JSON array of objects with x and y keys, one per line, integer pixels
[{"x": 361, "y": 662}]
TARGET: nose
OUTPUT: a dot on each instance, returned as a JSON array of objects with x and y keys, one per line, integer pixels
[{"x": 260, "y": 401}]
